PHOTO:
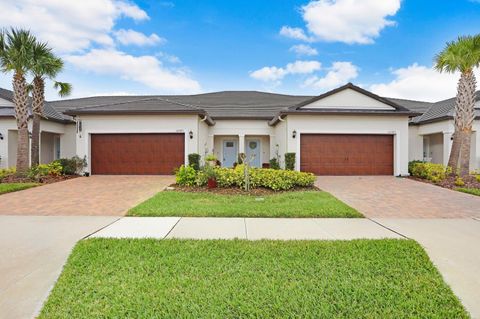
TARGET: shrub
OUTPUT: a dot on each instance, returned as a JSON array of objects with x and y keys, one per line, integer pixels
[
  {"x": 72, "y": 166},
  {"x": 228, "y": 177},
  {"x": 194, "y": 161},
  {"x": 459, "y": 182},
  {"x": 42, "y": 170},
  {"x": 477, "y": 177},
  {"x": 411, "y": 164},
  {"x": 430, "y": 171},
  {"x": 210, "y": 157},
  {"x": 186, "y": 176},
  {"x": 5, "y": 172},
  {"x": 290, "y": 161},
  {"x": 274, "y": 164}
]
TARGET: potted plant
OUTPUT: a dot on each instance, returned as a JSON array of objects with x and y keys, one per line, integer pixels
[
  {"x": 211, "y": 160},
  {"x": 211, "y": 176}
]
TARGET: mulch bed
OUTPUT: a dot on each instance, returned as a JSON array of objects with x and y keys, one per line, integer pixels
[
  {"x": 44, "y": 180},
  {"x": 238, "y": 191},
  {"x": 449, "y": 182}
]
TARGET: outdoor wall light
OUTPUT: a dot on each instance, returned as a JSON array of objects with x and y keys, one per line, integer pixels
[
  {"x": 294, "y": 134},
  {"x": 1, "y": 136},
  {"x": 190, "y": 134}
]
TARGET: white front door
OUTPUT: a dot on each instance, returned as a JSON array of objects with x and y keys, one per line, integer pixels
[
  {"x": 230, "y": 153},
  {"x": 253, "y": 153}
]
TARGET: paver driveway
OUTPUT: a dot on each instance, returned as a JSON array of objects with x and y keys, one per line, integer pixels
[
  {"x": 393, "y": 197},
  {"x": 96, "y": 195}
]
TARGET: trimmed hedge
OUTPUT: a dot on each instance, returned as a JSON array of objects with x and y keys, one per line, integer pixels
[
  {"x": 290, "y": 161},
  {"x": 433, "y": 172},
  {"x": 259, "y": 177},
  {"x": 194, "y": 161}
]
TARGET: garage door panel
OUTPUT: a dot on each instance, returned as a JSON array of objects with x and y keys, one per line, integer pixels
[
  {"x": 346, "y": 154},
  {"x": 137, "y": 154}
]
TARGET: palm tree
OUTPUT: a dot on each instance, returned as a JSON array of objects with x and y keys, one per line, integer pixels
[
  {"x": 44, "y": 65},
  {"x": 462, "y": 55},
  {"x": 16, "y": 56}
]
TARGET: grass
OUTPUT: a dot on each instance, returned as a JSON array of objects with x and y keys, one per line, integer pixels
[
  {"x": 473, "y": 191},
  {"x": 14, "y": 187},
  {"x": 145, "y": 278},
  {"x": 288, "y": 204}
]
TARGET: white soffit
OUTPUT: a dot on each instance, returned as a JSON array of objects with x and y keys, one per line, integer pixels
[{"x": 348, "y": 99}]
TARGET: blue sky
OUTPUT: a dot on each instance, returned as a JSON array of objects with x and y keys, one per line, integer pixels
[{"x": 294, "y": 47}]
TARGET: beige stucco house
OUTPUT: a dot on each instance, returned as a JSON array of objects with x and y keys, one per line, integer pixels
[{"x": 347, "y": 131}]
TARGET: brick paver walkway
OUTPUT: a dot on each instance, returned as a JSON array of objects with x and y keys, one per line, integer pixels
[
  {"x": 96, "y": 195},
  {"x": 388, "y": 196}
]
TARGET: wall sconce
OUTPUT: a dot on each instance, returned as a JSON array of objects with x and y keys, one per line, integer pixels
[
  {"x": 1, "y": 136},
  {"x": 294, "y": 134},
  {"x": 29, "y": 134},
  {"x": 190, "y": 134}
]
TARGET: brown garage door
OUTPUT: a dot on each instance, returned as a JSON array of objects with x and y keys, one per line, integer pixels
[
  {"x": 346, "y": 154},
  {"x": 136, "y": 154}
]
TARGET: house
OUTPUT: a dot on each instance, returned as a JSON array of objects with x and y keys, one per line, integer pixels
[{"x": 346, "y": 131}]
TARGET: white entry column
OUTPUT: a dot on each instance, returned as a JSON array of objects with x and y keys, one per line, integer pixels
[
  {"x": 447, "y": 146},
  {"x": 241, "y": 144}
]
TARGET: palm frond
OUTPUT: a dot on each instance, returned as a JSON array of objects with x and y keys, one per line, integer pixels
[
  {"x": 63, "y": 88},
  {"x": 461, "y": 55}
]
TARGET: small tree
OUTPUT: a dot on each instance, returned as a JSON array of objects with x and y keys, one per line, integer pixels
[{"x": 461, "y": 56}]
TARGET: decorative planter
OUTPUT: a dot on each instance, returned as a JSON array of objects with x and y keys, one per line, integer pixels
[
  {"x": 212, "y": 163},
  {"x": 212, "y": 183},
  {"x": 86, "y": 174}
]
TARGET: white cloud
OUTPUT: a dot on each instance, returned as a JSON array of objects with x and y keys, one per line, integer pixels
[
  {"x": 130, "y": 36},
  {"x": 69, "y": 26},
  {"x": 147, "y": 70},
  {"x": 340, "y": 73},
  {"x": 273, "y": 73},
  {"x": 418, "y": 82},
  {"x": 349, "y": 21},
  {"x": 294, "y": 33},
  {"x": 170, "y": 58},
  {"x": 303, "y": 49}
]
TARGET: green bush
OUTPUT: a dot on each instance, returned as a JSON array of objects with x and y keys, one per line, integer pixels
[
  {"x": 5, "y": 172},
  {"x": 477, "y": 177},
  {"x": 459, "y": 182},
  {"x": 432, "y": 172},
  {"x": 411, "y": 164},
  {"x": 72, "y": 166},
  {"x": 230, "y": 177},
  {"x": 194, "y": 161},
  {"x": 274, "y": 164},
  {"x": 186, "y": 176},
  {"x": 42, "y": 170},
  {"x": 290, "y": 161}
]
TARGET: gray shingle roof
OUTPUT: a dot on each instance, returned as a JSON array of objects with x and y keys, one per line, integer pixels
[
  {"x": 442, "y": 110},
  {"x": 49, "y": 112},
  {"x": 218, "y": 105}
]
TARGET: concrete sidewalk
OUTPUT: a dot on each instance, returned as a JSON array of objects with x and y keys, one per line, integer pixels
[
  {"x": 33, "y": 250},
  {"x": 246, "y": 228}
]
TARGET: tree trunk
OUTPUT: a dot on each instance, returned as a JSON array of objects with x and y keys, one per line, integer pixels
[
  {"x": 464, "y": 116},
  {"x": 455, "y": 151},
  {"x": 20, "y": 99},
  {"x": 37, "y": 110},
  {"x": 465, "y": 152}
]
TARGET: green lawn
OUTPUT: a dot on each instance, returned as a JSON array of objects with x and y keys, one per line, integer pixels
[
  {"x": 473, "y": 191},
  {"x": 288, "y": 204},
  {"x": 13, "y": 187},
  {"x": 143, "y": 278}
]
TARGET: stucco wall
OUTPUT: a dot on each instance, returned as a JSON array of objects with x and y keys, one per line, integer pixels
[
  {"x": 415, "y": 144},
  {"x": 349, "y": 99},
  {"x": 92, "y": 124},
  {"x": 352, "y": 124},
  {"x": 6, "y": 124}
]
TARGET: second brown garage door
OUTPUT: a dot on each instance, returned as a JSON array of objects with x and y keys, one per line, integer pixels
[
  {"x": 137, "y": 154},
  {"x": 346, "y": 154}
]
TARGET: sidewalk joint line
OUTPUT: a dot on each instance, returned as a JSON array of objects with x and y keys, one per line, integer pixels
[
  {"x": 172, "y": 228},
  {"x": 394, "y": 231},
  {"x": 245, "y": 225},
  {"x": 116, "y": 220}
]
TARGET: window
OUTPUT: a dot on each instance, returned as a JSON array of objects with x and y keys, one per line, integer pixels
[{"x": 229, "y": 144}]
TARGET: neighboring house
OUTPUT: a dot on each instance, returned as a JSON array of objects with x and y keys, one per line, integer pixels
[{"x": 347, "y": 131}]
